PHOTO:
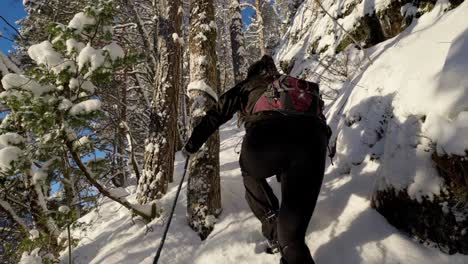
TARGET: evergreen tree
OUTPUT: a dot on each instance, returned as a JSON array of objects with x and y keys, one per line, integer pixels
[{"x": 50, "y": 135}]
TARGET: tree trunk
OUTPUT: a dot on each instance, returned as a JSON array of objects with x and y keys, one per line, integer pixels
[
  {"x": 261, "y": 32},
  {"x": 160, "y": 144},
  {"x": 237, "y": 42},
  {"x": 203, "y": 193},
  {"x": 120, "y": 180}
]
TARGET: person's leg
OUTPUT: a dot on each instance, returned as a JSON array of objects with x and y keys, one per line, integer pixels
[
  {"x": 259, "y": 160},
  {"x": 300, "y": 187},
  {"x": 263, "y": 203}
]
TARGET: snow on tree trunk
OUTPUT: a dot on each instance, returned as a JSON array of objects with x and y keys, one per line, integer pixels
[
  {"x": 261, "y": 32},
  {"x": 237, "y": 42},
  {"x": 203, "y": 192},
  {"x": 160, "y": 144}
]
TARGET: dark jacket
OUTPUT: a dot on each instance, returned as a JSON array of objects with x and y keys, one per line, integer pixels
[{"x": 241, "y": 97}]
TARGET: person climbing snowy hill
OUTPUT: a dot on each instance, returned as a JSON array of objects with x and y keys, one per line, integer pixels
[{"x": 286, "y": 136}]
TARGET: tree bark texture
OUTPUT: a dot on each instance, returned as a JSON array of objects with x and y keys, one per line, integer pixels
[
  {"x": 237, "y": 42},
  {"x": 261, "y": 32},
  {"x": 203, "y": 193},
  {"x": 160, "y": 144}
]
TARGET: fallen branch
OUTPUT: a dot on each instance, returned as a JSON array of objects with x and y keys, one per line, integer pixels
[{"x": 103, "y": 190}]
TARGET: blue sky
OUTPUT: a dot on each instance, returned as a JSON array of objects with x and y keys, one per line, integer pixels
[{"x": 12, "y": 10}]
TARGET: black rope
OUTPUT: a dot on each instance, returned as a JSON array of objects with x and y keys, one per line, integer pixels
[{"x": 163, "y": 238}]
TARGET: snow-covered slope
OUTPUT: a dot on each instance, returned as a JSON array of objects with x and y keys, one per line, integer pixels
[
  {"x": 385, "y": 117},
  {"x": 344, "y": 228}
]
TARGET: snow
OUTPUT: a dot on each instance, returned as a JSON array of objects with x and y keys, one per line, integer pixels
[
  {"x": 64, "y": 209},
  {"x": 177, "y": 39},
  {"x": 17, "y": 81},
  {"x": 386, "y": 119},
  {"x": 450, "y": 135},
  {"x": 7, "y": 156},
  {"x": 85, "y": 107},
  {"x": 92, "y": 56},
  {"x": 26, "y": 2},
  {"x": 408, "y": 10},
  {"x": 39, "y": 176},
  {"x": 85, "y": 85},
  {"x": 32, "y": 258},
  {"x": 74, "y": 46},
  {"x": 44, "y": 53},
  {"x": 88, "y": 86},
  {"x": 115, "y": 51},
  {"x": 34, "y": 234},
  {"x": 80, "y": 21},
  {"x": 65, "y": 104},
  {"x": 10, "y": 138},
  {"x": 343, "y": 222},
  {"x": 201, "y": 37},
  {"x": 6, "y": 65},
  {"x": 118, "y": 192},
  {"x": 74, "y": 84},
  {"x": 413, "y": 96},
  {"x": 201, "y": 85}
]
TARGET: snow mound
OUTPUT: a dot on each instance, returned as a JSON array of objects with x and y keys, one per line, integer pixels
[
  {"x": 7, "y": 156},
  {"x": 86, "y": 107},
  {"x": 92, "y": 56},
  {"x": 17, "y": 81},
  {"x": 80, "y": 21},
  {"x": 114, "y": 50},
  {"x": 44, "y": 53}
]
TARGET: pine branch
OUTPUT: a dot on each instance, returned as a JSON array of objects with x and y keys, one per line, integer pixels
[
  {"x": 10, "y": 25},
  {"x": 3, "y": 37},
  {"x": 11, "y": 213}
]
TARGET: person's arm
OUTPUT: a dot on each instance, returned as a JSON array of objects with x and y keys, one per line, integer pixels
[{"x": 228, "y": 104}]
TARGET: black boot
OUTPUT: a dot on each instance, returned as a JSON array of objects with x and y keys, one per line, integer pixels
[{"x": 273, "y": 247}]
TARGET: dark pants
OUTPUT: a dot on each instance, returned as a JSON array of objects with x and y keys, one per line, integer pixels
[{"x": 295, "y": 151}]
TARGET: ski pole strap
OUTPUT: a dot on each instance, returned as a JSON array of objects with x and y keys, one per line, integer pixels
[{"x": 163, "y": 238}]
